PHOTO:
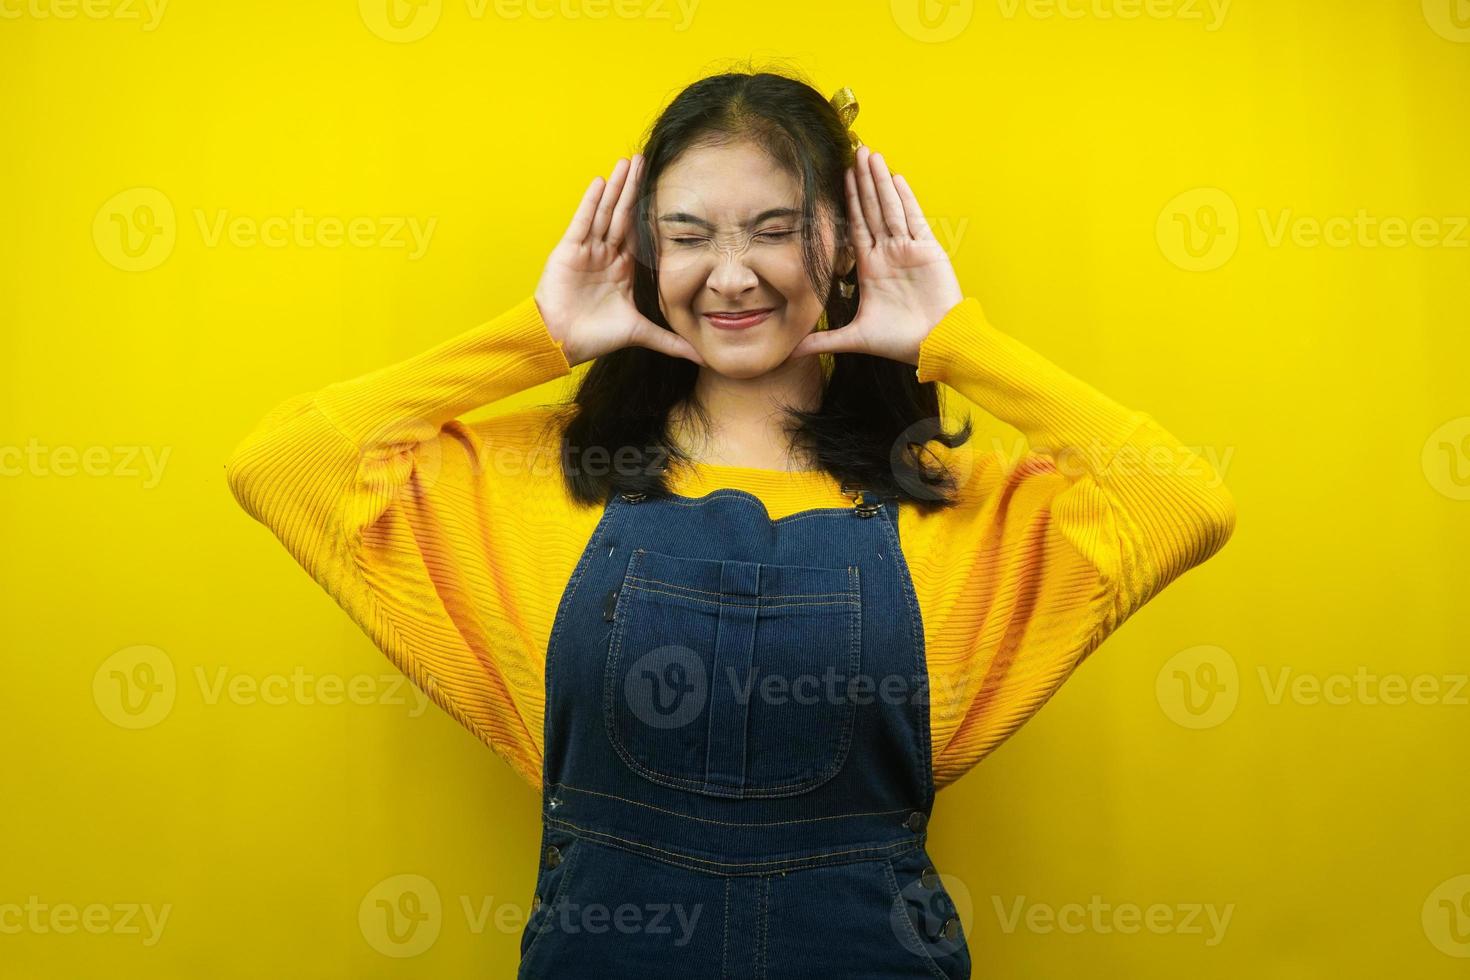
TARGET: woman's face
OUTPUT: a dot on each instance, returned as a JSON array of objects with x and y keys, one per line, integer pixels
[{"x": 726, "y": 221}]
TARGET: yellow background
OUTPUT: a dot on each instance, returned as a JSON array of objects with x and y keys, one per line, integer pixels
[{"x": 1062, "y": 152}]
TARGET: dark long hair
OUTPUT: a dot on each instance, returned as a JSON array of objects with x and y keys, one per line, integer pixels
[{"x": 875, "y": 418}]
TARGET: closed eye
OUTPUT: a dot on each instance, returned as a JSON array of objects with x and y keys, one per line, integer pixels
[{"x": 774, "y": 236}]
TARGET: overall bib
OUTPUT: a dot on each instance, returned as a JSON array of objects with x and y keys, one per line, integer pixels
[{"x": 737, "y": 771}]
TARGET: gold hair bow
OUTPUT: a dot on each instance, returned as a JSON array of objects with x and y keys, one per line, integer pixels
[{"x": 846, "y": 105}]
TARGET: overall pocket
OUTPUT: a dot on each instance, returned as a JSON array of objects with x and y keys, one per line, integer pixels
[{"x": 730, "y": 678}]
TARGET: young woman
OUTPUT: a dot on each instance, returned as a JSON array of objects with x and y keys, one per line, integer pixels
[{"x": 741, "y": 607}]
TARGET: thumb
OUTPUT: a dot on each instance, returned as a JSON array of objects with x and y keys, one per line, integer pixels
[
  {"x": 842, "y": 340},
  {"x": 651, "y": 335}
]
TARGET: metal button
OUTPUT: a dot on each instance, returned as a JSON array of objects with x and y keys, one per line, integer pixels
[
  {"x": 633, "y": 497},
  {"x": 929, "y": 878},
  {"x": 915, "y": 821},
  {"x": 951, "y": 928},
  {"x": 609, "y": 603},
  {"x": 553, "y": 803},
  {"x": 553, "y": 856},
  {"x": 535, "y": 903}
]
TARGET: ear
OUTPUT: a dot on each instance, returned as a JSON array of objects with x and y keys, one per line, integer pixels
[{"x": 846, "y": 259}]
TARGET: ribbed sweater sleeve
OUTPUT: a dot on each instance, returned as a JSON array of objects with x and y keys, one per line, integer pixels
[
  {"x": 395, "y": 508},
  {"x": 1051, "y": 549}
]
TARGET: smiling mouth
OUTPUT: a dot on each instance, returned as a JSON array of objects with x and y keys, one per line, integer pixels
[{"x": 738, "y": 319}]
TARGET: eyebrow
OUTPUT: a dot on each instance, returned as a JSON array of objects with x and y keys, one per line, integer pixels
[{"x": 683, "y": 217}]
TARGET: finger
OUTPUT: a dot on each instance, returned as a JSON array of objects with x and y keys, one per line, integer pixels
[
  {"x": 619, "y": 227},
  {"x": 888, "y": 199},
  {"x": 868, "y": 194},
  {"x": 839, "y": 341},
  {"x": 861, "y": 237},
  {"x": 656, "y": 338},
  {"x": 609, "y": 199},
  {"x": 581, "y": 222},
  {"x": 918, "y": 224}
]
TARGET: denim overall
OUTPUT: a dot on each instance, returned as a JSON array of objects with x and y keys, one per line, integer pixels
[{"x": 737, "y": 775}]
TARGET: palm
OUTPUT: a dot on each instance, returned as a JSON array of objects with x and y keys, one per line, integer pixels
[
  {"x": 586, "y": 290},
  {"x": 907, "y": 280},
  {"x": 595, "y": 279}
]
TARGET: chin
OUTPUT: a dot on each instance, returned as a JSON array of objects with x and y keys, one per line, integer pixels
[{"x": 739, "y": 364}]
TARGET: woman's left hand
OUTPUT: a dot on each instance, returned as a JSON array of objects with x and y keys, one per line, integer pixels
[{"x": 906, "y": 281}]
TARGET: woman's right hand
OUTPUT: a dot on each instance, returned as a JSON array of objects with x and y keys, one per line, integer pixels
[{"x": 586, "y": 290}]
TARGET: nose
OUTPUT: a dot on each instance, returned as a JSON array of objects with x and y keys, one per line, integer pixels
[{"x": 732, "y": 277}]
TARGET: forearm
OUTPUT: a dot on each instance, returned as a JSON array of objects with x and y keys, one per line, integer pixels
[
  {"x": 1170, "y": 508},
  {"x": 409, "y": 400}
]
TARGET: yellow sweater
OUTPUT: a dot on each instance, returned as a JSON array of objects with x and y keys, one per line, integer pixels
[{"x": 450, "y": 542}]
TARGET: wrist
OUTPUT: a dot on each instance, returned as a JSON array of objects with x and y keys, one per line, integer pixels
[{"x": 558, "y": 332}]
